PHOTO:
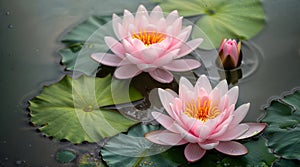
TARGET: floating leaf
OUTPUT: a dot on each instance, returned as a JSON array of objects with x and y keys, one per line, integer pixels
[
  {"x": 70, "y": 109},
  {"x": 221, "y": 19},
  {"x": 82, "y": 41},
  {"x": 134, "y": 150},
  {"x": 286, "y": 163},
  {"x": 65, "y": 156},
  {"x": 283, "y": 131}
]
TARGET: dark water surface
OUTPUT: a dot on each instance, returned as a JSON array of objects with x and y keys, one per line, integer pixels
[{"x": 29, "y": 38}]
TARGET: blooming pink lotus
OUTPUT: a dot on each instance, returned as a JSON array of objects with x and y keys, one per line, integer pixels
[
  {"x": 203, "y": 117},
  {"x": 230, "y": 54},
  {"x": 149, "y": 43}
]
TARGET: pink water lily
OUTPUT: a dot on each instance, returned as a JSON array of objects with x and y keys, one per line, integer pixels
[
  {"x": 204, "y": 118},
  {"x": 149, "y": 42},
  {"x": 230, "y": 54}
]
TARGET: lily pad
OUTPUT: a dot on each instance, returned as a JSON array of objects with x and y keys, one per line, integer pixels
[
  {"x": 88, "y": 160},
  {"x": 65, "y": 156},
  {"x": 283, "y": 131},
  {"x": 134, "y": 150},
  {"x": 72, "y": 108},
  {"x": 286, "y": 163},
  {"x": 83, "y": 40},
  {"x": 220, "y": 19}
]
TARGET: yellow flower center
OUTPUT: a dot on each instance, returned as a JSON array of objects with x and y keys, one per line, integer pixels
[
  {"x": 201, "y": 110},
  {"x": 149, "y": 38}
]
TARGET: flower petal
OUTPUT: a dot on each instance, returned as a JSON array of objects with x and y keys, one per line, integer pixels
[
  {"x": 165, "y": 121},
  {"x": 254, "y": 129},
  {"x": 223, "y": 87},
  {"x": 182, "y": 65},
  {"x": 209, "y": 144},
  {"x": 233, "y": 94},
  {"x": 234, "y": 133},
  {"x": 188, "y": 47},
  {"x": 106, "y": 58},
  {"x": 165, "y": 137},
  {"x": 239, "y": 114},
  {"x": 203, "y": 82},
  {"x": 127, "y": 71},
  {"x": 172, "y": 17},
  {"x": 231, "y": 148},
  {"x": 115, "y": 46},
  {"x": 116, "y": 20},
  {"x": 161, "y": 75},
  {"x": 193, "y": 152},
  {"x": 156, "y": 14},
  {"x": 166, "y": 59}
]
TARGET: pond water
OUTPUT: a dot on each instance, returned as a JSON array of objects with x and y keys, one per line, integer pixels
[{"x": 29, "y": 36}]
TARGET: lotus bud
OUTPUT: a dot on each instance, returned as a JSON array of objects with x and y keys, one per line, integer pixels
[{"x": 230, "y": 55}]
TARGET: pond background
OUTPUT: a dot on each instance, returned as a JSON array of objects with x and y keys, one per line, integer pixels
[{"x": 29, "y": 36}]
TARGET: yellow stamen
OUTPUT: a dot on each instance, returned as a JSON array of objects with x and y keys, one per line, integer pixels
[
  {"x": 149, "y": 38},
  {"x": 201, "y": 110}
]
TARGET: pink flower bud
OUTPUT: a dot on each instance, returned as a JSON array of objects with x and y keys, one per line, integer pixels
[{"x": 230, "y": 54}]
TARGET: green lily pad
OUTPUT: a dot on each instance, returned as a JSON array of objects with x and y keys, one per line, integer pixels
[
  {"x": 220, "y": 19},
  {"x": 72, "y": 108},
  {"x": 65, "y": 156},
  {"x": 283, "y": 131},
  {"x": 83, "y": 40},
  {"x": 134, "y": 150},
  {"x": 286, "y": 163}
]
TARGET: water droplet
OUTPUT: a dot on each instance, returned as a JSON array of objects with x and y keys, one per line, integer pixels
[
  {"x": 7, "y": 13},
  {"x": 10, "y": 26}
]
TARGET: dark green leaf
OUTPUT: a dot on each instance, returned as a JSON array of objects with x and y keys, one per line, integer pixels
[
  {"x": 286, "y": 163},
  {"x": 70, "y": 110},
  {"x": 65, "y": 156},
  {"x": 283, "y": 131}
]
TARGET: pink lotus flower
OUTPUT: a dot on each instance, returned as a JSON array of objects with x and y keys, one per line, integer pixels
[
  {"x": 203, "y": 117},
  {"x": 230, "y": 54},
  {"x": 149, "y": 43}
]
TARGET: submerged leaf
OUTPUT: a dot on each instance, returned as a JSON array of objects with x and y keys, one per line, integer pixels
[
  {"x": 65, "y": 156},
  {"x": 221, "y": 19},
  {"x": 70, "y": 109},
  {"x": 283, "y": 131}
]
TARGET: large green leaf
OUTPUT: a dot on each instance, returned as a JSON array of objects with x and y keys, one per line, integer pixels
[
  {"x": 134, "y": 150},
  {"x": 83, "y": 40},
  {"x": 70, "y": 109},
  {"x": 221, "y": 19},
  {"x": 283, "y": 131}
]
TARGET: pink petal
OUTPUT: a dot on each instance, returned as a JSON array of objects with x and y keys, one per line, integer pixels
[
  {"x": 165, "y": 137},
  {"x": 106, "y": 58},
  {"x": 115, "y": 46},
  {"x": 188, "y": 47},
  {"x": 161, "y": 25},
  {"x": 165, "y": 121},
  {"x": 122, "y": 31},
  {"x": 133, "y": 59},
  {"x": 182, "y": 65},
  {"x": 254, "y": 129},
  {"x": 203, "y": 131},
  {"x": 166, "y": 99},
  {"x": 180, "y": 39},
  {"x": 203, "y": 82},
  {"x": 127, "y": 71},
  {"x": 239, "y": 114},
  {"x": 209, "y": 144},
  {"x": 231, "y": 148},
  {"x": 175, "y": 27},
  {"x": 214, "y": 96},
  {"x": 172, "y": 17},
  {"x": 234, "y": 133},
  {"x": 116, "y": 20},
  {"x": 223, "y": 87},
  {"x": 161, "y": 75},
  {"x": 193, "y": 152},
  {"x": 128, "y": 18},
  {"x": 156, "y": 14},
  {"x": 150, "y": 54},
  {"x": 233, "y": 94},
  {"x": 166, "y": 59}
]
